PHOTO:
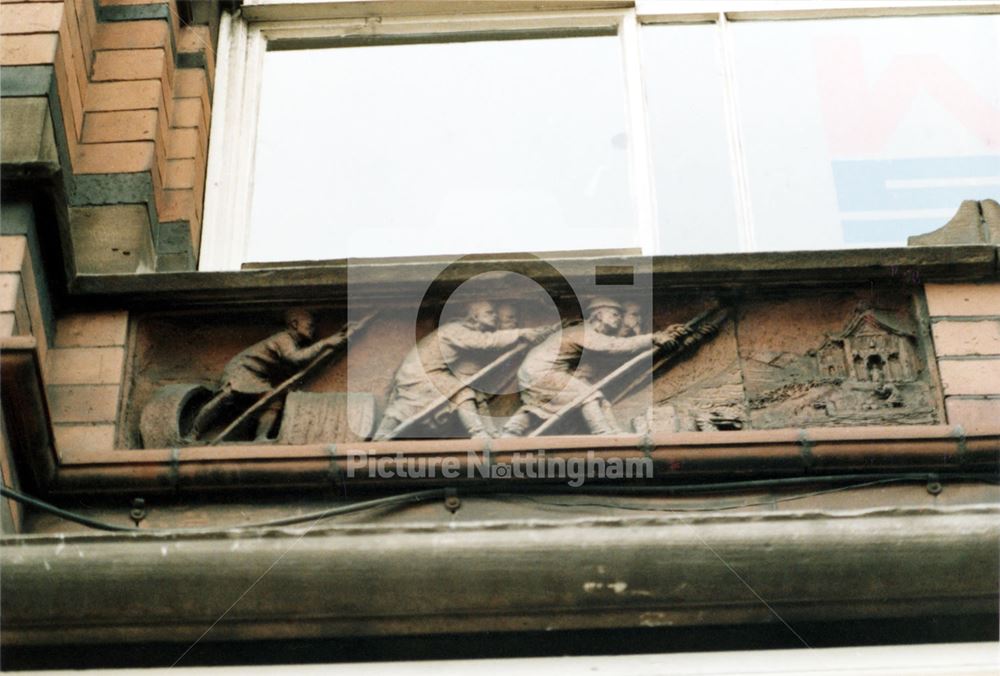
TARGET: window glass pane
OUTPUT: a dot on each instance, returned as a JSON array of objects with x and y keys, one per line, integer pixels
[
  {"x": 859, "y": 132},
  {"x": 684, "y": 83},
  {"x": 442, "y": 148}
]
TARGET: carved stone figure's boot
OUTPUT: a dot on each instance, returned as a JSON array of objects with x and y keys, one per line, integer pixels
[
  {"x": 265, "y": 424},
  {"x": 206, "y": 417},
  {"x": 471, "y": 421},
  {"x": 385, "y": 428},
  {"x": 486, "y": 417},
  {"x": 594, "y": 416},
  {"x": 609, "y": 415},
  {"x": 518, "y": 425}
]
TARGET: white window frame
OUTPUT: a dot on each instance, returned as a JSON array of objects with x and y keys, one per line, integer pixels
[{"x": 243, "y": 38}]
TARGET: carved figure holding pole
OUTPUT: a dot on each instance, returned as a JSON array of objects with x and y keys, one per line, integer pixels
[
  {"x": 553, "y": 381},
  {"x": 252, "y": 376},
  {"x": 436, "y": 378}
]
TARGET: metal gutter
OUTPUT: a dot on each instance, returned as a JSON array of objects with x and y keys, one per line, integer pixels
[{"x": 542, "y": 575}]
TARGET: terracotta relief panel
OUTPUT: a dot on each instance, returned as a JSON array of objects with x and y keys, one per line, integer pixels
[{"x": 514, "y": 360}]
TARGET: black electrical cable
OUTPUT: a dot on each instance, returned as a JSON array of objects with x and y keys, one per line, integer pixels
[
  {"x": 864, "y": 480},
  {"x": 393, "y": 500}
]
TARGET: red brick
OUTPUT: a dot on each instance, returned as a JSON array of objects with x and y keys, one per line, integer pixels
[
  {"x": 195, "y": 39},
  {"x": 72, "y": 118},
  {"x": 132, "y": 35},
  {"x": 72, "y": 43},
  {"x": 28, "y": 50},
  {"x": 973, "y": 413},
  {"x": 182, "y": 144},
  {"x": 113, "y": 158},
  {"x": 83, "y": 403},
  {"x": 36, "y": 17},
  {"x": 105, "y": 96},
  {"x": 87, "y": 19},
  {"x": 124, "y": 125},
  {"x": 83, "y": 438},
  {"x": 967, "y": 338},
  {"x": 34, "y": 306},
  {"x": 128, "y": 64},
  {"x": 13, "y": 249},
  {"x": 92, "y": 329},
  {"x": 972, "y": 376},
  {"x": 85, "y": 366},
  {"x": 69, "y": 89},
  {"x": 181, "y": 174},
  {"x": 188, "y": 113},
  {"x": 10, "y": 289},
  {"x": 178, "y": 205},
  {"x": 189, "y": 83},
  {"x": 963, "y": 300}
]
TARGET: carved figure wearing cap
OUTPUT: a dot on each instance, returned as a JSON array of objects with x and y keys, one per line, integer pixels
[
  {"x": 442, "y": 361},
  {"x": 257, "y": 369},
  {"x": 561, "y": 369}
]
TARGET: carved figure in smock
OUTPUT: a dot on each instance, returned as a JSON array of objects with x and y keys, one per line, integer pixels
[
  {"x": 555, "y": 373},
  {"x": 259, "y": 368},
  {"x": 441, "y": 362}
]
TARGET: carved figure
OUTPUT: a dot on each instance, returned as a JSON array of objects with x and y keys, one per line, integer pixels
[
  {"x": 441, "y": 364},
  {"x": 256, "y": 370},
  {"x": 552, "y": 375},
  {"x": 631, "y": 319},
  {"x": 509, "y": 317}
]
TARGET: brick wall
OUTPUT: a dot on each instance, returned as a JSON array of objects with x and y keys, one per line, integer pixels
[
  {"x": 83, "y": 375},
  {"x": 966, "y": 327},
  {"x": 131, "y": 110}
]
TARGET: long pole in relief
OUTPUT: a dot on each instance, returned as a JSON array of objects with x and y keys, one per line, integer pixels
[
  {"x": 624, "y": 368},
  {"x": 285, "y": 385},
  {"x": 442, "y": 399}
]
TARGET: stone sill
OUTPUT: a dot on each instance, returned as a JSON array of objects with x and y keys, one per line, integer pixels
[{"x": 327, "y": 282}]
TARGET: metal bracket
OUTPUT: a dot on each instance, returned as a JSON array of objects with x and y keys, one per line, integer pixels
[
  {"x": 138, "y": 511},
  {"x": 934, "y": 486},
  {"x": 451, "y": 500}
]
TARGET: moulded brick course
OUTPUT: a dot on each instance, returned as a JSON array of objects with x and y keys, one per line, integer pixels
[
  {"x": 85, "y": 366},
  {"x": 137, "y": 95},
  {"x": 967, "y": 338},
  {"x": 963, "y": 299},
  {"x": 178, "y": 205},
  {"x": 970, "y": 376},
  {"x": 188, "y": 113},
  {"x": 128, "y": 64},
  {"x": 182, "y": 144},
  {"x": 123, "y": 125},
  {"x": 112, "y": 158},
  {"x": 76, "y": 438},
  {"x": 971, "y": 413},
  {"x": 189, "y": 83},
  {"x": 86, "y": 16},
  {"x": 132, "y": 35},
  {"x": 70, "y": 92},
  {"x": 92, "y": 329},
  {"x": 28, "y": 50},
  {"x": 72, "y": 117},
  {"x": 181, "y": 174},
  {"x": 35, "y": 17},
  {"x": 71, "y": 46},
  {"x": 83, "y": 403}
]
